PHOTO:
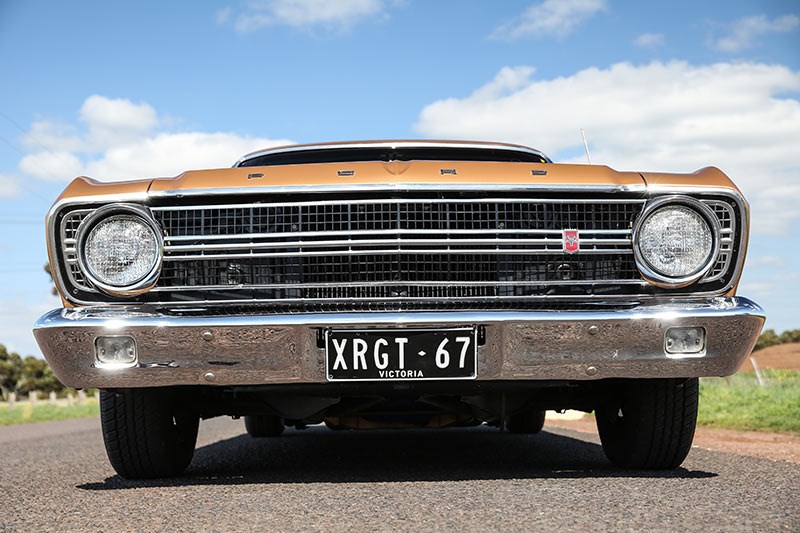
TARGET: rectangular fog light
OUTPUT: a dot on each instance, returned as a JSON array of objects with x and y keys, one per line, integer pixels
[
  {"x": 685, "y": 341},
  {"x": 116, "y": 351}
]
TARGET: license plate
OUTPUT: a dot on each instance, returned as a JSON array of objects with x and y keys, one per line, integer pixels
[{"x": 401, "y": 354}]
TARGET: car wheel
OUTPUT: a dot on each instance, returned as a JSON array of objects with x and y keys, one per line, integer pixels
[
  {"x": 145, "y": 436},
  {"x": 531, "y": 421},
  {"x": 263, "y": 426},
  {"x": 649, "y": 423}
]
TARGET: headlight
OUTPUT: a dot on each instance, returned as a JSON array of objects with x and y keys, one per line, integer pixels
[
  {"x": 676, "y": 241},
  {"x": 119, "y": 249}
]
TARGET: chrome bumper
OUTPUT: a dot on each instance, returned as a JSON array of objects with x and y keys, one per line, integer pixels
[{"x": 273, "y": 349}]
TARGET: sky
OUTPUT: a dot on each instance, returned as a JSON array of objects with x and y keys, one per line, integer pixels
[{"x": 124, "y": 90}]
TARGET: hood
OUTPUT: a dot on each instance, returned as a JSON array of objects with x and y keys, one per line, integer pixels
[{"x": 397, "y": 174}]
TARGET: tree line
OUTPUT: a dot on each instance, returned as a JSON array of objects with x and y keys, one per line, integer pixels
[
  {"x": 23, "y": 375},
  {"x": 770, "y": 338}
]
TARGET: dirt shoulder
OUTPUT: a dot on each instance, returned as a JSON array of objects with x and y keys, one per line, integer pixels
[
  {"x": 775, "y": 446},
  {"x": 784, "y": 356}
]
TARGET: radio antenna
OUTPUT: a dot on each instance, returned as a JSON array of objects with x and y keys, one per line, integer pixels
[{"x": 586, "y": 147}]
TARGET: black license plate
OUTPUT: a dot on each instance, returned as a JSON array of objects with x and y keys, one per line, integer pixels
[{"x": 401, "y": 354}]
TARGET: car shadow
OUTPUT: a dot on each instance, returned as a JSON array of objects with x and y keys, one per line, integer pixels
[{"x": 318, "y": 455}]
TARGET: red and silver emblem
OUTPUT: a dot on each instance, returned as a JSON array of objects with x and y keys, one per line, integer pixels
[{"x": 571, "y": 241}]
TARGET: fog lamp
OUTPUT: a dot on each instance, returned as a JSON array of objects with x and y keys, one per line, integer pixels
[
  {"x": 118, "y": 351},
  {"x": 685, "y": 341}
]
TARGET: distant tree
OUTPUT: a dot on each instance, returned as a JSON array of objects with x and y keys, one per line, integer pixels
[
  {"x": 10, "y": 371},
  {"x": 790, "y": 335},
  {"x": 36, "y": 375},
  {"x": 767, "y": 338}
]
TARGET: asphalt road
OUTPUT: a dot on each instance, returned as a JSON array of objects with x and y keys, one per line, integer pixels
[{"x": 54, "y": 476}]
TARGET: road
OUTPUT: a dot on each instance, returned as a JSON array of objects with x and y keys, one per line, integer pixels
[{"x": 54, "y": 476}]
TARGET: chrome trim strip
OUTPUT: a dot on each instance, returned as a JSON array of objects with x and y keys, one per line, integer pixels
[
  {"x": 393, "y": 232},
  {"x": 277, "y": 302},
  {"x": 395, "y": 251},
  {"x": 392, "y": 144},
  {"x": 444, "y": 284},
  {"x": 724, "y": 306},
  {"x": 391, "y": 201},
  {"x": 392, "y": 187},
  {"x": 403, "y": 245}
]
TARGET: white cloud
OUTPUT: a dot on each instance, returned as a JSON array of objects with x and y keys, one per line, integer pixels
[
  {"x": 745, "y": 31},
  {"x": 48, "y": 135},
  {"x": 647, "y": 40},
  {"x": 117, "y": 139},
  {"x": 9, "y": 187},
  {"x": 168, "y": 154},
  {"x": 306, "y": 14},
  {"x": 51, "y": 166},
  {"x": 115, "y": 121},
  {"x": 551, "y": 17},
  {"x": 656, "y": 117}
]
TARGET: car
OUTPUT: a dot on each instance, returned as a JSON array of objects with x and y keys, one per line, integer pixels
[{"x": 398, "y": 284}]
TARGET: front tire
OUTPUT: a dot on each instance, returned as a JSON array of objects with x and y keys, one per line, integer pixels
[
  {"x": 649, "y": 423},
  {"x": 145, "y": 435}
]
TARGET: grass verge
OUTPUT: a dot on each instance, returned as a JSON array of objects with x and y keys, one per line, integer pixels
[
  {"x": 739, "y": 402},
  {"x": 24, "y": 412}
]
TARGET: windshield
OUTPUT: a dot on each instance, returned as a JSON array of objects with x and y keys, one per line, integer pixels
[{"x": 388, "y": 153}]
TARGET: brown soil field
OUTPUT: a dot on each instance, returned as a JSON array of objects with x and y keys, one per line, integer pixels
[{"x": 782, "y": 356}]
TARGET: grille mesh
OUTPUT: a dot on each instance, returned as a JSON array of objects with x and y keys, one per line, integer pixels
[
  {"x": 364, "y": 217},
  {"x": 386, "y": 249}
]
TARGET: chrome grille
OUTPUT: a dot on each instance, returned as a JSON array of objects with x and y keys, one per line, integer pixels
[
  {"x": 727, "y": 221},
  {"x": 417, "y": 253},
  {"x": 397, "y": 249},
  {"x": 69, "y": 231}
]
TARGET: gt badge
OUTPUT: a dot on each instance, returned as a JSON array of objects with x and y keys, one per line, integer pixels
[{"x": 571, "y": 241}]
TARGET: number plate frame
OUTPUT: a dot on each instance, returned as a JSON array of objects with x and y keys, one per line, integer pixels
[{"x": 339, "y": 344}]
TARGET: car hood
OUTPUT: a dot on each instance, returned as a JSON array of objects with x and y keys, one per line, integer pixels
[{"x": 398, "y": 174}]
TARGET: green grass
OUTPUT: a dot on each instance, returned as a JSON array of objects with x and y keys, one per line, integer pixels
[
  {"x": 738, "y": 402},
  {"x": 24, "y": 412}
]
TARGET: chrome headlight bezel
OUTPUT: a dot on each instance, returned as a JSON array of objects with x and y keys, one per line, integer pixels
[
  {"x": 647, "y": 270},
  {"x": 133, "y": 212}
]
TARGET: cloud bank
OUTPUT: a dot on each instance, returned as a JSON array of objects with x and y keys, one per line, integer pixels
[
  {"x": 659, "y": 116},
  {"x": 116, "y": 139}
]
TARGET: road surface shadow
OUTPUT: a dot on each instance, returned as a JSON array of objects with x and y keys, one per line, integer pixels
[{"x": 318, "y": 455}]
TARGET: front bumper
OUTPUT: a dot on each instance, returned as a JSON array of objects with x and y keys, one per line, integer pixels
[{"x": 278, "y": 349}]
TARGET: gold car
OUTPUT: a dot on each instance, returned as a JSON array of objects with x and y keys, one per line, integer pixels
[{"x": 398, "y": 284}]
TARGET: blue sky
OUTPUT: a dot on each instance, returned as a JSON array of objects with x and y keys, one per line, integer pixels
[{"x": 134, "y": 90}]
